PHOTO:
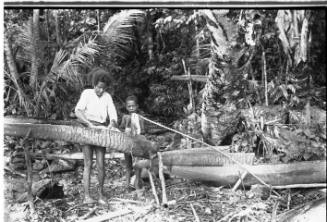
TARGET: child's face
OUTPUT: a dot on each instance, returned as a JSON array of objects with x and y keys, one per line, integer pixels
[{"x": 131, "y": 106}]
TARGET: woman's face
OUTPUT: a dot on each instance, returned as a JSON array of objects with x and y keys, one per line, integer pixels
[
  {"x": 131, "y": 106},
  {"x": 100, "y": 88}
]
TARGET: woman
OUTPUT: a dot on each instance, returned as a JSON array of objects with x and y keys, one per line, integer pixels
[{"x": 95, "y": 108}]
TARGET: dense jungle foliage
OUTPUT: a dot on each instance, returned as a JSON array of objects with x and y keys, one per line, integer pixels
[{"x": 246, "y": 58}]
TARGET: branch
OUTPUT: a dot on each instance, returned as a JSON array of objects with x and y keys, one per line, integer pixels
[{"x": 107, "y": 216}]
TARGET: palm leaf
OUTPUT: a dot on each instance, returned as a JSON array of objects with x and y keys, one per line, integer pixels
[
  {"x": 26, "y": 39},
  {"x": 83, "y": 55},
  {"x": 118, "y": 32}
]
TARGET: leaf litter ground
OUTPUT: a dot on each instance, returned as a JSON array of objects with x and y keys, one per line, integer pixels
[{"x": 209, "y": 203}]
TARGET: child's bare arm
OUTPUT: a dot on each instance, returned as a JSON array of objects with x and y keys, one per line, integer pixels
[
  {"x": 123, "y": 123},
  {"x": 143, "y": 130}
]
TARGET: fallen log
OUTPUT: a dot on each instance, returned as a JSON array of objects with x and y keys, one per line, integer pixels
[
  {"x": 273, "y": 174},
  {"x": 137, "y": 145}
]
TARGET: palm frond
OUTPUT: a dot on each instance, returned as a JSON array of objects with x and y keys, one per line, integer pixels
[
  {"x": 118, "y": 31},
  {"x": 83, "y": 55},
  {"x": 25, "y": 39}
]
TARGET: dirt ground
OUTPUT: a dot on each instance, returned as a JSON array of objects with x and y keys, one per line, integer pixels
[{"x": 187, "y": 201}]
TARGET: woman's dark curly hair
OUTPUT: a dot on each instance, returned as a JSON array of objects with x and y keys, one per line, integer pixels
[{"x": 97, "y": 75}]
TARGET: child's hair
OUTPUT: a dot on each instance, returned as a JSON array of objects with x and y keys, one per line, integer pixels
[
  {"x": 132, "y": 98},
  {"x": 97, "y": 75}
]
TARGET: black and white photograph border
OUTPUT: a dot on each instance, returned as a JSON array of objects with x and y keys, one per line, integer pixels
[{"x": 232, "y": 131}]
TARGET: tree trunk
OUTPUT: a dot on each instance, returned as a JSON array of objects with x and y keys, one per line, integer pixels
[
  {"x": 35, "y": 54},
  {"x": 137, "y": 146},
  {"x": 57, "y": 26},
  {"x": 149, "y": 36},
  {"x": 197, "y": 44},
  {"x": 23, "y": 99}
]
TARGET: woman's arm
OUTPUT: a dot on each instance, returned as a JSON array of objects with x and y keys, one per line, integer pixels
[
  {"x": 81, "y": 116},
  {"x": 81, "y": 107},
  {"x": 112, "y": 113}
]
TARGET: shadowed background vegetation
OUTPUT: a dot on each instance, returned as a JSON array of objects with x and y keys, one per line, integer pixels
[{"x": 241, "y": 59}]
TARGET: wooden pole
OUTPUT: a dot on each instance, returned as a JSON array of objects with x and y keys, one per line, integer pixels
[
  {"x": 28, "y": 162},
  {"x": 107, "y": 216},
  {"x": 291, "y": 186},
  {"x": 162, "y": 180},
  {"x": 153, "y": 188},
  {"x": 237, "y": 184}
]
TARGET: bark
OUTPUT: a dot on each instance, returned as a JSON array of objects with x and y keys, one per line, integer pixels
[
  {"x": 35, "y": 54},
  {"x": 137, "y": 146},
  {"x": 24, "y": 101},
  {"x": 306, "y": 172}
]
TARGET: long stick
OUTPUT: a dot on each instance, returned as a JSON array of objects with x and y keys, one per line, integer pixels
[
  {"x": 314, "y": 185},
  {"x": 197, "y": 219},
  {"x": 222, "y": 153},
  {"x": 29, "y": 172},
  {"x": 107, "y": 216},
  {"x": 238, "y": 183},
  {"x": 153, "y": 188},
  {"x": 162, "y": 180}
]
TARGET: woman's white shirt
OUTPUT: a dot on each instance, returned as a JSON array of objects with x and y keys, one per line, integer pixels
[{"x": 97, "y": 108}]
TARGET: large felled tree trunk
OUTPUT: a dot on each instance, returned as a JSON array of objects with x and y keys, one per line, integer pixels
[{"x": 137, "y": 146}]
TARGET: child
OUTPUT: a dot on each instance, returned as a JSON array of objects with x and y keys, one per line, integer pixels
[{"x": 133, "y": 125}]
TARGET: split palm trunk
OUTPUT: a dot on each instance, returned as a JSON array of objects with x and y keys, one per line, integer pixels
[{"x": 137, "y": 146}]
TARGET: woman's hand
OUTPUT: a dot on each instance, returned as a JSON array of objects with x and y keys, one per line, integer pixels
[{"x": 110, "y": 127}]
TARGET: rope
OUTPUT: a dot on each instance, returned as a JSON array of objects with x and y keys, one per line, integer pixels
[{"x": 244, "y": 167}]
